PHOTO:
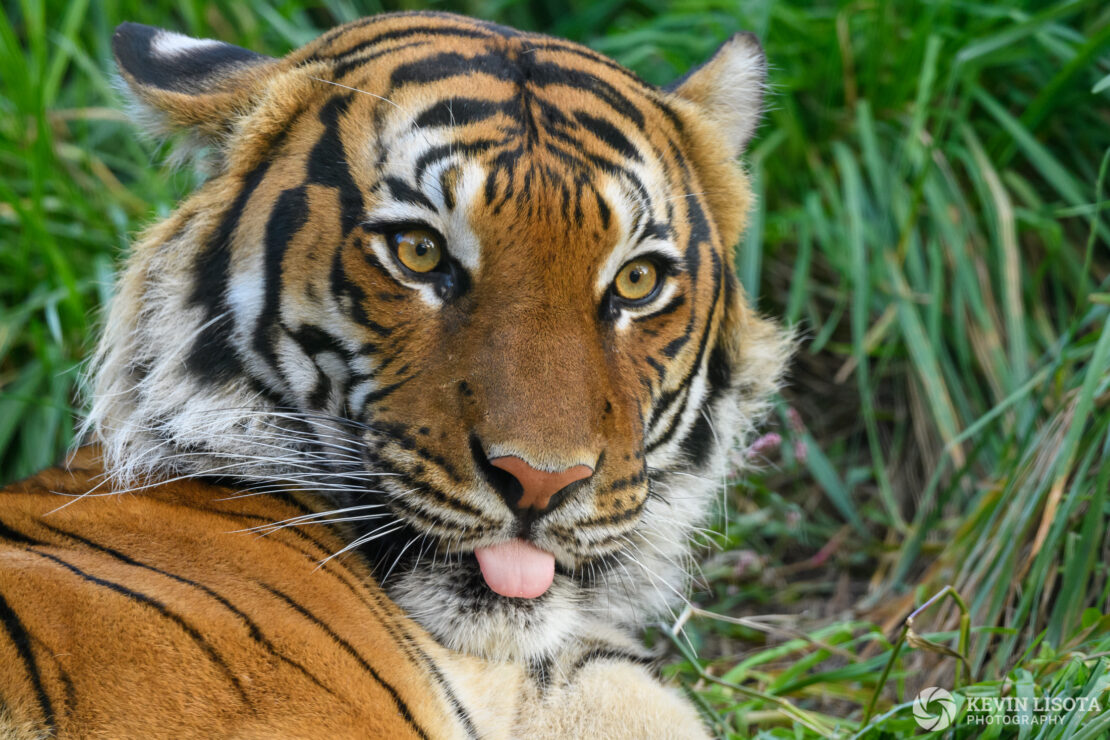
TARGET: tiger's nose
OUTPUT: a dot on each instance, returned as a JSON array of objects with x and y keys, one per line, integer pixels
[{"x": 537, "y": 487}]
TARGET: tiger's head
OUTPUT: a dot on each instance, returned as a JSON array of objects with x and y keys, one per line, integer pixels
[{"x": 474, "y": 286}]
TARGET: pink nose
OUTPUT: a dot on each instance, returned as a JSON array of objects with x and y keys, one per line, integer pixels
[{"x": 539, "y": 485}]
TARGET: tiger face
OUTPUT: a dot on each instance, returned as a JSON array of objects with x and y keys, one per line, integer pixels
[{"x": 474, "y": 287}]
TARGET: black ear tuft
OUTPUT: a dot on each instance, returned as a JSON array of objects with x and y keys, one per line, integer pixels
[{"x": 173, "y": 62}]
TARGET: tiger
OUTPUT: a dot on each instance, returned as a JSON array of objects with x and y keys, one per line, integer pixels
[{"x": 404, "y": 422}]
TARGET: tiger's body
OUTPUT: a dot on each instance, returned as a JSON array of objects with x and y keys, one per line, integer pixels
[
  {"x": 112, "y": 633},
  {"x": 455, "y": 315}
]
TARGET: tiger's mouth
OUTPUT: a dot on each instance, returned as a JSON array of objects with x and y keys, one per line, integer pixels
[
  {"x": 520, "y": 560},
  {"x": 520, "y": 563}
]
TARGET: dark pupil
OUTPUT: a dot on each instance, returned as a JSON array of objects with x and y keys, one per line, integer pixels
[
  {"x": 421, "y": 249},
  {"x": 636, "y": 274}
]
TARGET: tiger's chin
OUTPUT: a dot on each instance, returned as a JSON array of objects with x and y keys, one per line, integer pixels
[{"x": 453, "y": 602}]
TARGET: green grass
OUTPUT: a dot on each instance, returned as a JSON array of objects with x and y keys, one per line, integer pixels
[{"x": 934, "y": 215}]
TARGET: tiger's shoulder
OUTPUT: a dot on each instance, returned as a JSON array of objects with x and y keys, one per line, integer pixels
[{"x": 167, "y": 602}]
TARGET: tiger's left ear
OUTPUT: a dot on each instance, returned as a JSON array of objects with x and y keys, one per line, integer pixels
[
  {"x": 729, "y": 89},
  {"x": 178, "y": 83}
]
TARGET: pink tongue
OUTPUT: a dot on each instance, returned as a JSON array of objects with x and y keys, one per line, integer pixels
[{"x": 517, "y": 568}]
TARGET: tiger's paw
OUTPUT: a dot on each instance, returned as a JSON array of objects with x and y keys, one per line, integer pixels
[
  {"x": 605, "y": 686},
  {"x": 612, "y": 699}
]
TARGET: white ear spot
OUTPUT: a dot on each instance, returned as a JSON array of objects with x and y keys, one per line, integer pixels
[
  {"x": 729, "y": 89},
  {"x": 168, "y": 44}
]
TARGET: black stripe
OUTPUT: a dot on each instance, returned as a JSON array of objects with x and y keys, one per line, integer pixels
[
  {"x": 404, "y": 477},
  {"x": 702, "y": 347},
  {"x": 635, "y": 480},
  {"x": 699, "y": 234},
  {"x": 447, "y": 21},
  {"x": 342, "y": 70},
  {"x": 430, "y": 521},
  {"x": 440, "y": 152},
  {"x": 350, "y": 650},
  {"x": 620, "y": 516},
  {"x": 609, "y": 134},
  {"x": 328, "y": 163},
  {"x": 403, "y": 505},
  {"x": 570, "y": 158},
  {"x": 336, "y": 566},
  {"x": 288, "y": 216},
  {"x": 698, "y": 442},
  {"x": 602, "y": 208},
  {"x": 541, "y": 671},
  {"x": 439, "y": 32},
  {"x": 503, "y": 164},
  {"x": 212, "y": 357},
  {"x": 659, "y": 369},
  {"x": 607, "y": 653},
  {"x": 19, "y": 538},
  {"x": 458, "y": 111},
  {"x": 67, "y": 685},
  {"x": 542, "y": 74},
  {"x": 162, "y": 609},
  {"x": 386, "y": 391},
  {"x": 22, "y": 641},
  {"x": 448, "y": 64},
  {"x": 446, "y": 185},
  {"x": 314, "y": 341},
  {"x": 252, "y": 627},
  {"x": 559, "y": 45},
  {"x": 297, "y": 531},
  {"x": 350, "y": 295},
  {"x": 673, "y": 347},
  {"x": 402, "y": 191},
  {"x": 399, "y": 434}
]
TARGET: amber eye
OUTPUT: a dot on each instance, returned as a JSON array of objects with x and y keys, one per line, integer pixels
[
  {"x": 417, "y": 249},
  {"x": 636, "y": 280}
]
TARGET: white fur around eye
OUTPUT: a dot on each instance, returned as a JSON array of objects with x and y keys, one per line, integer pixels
[{"x": 665, "y": 294}]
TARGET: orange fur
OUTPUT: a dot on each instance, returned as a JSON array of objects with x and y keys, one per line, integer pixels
[{"x": 201, "y": 641}]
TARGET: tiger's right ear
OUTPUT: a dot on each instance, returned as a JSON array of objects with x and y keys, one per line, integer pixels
[
  {"x": 729, "y": 90},
  {"x": 178, "y": 83}
]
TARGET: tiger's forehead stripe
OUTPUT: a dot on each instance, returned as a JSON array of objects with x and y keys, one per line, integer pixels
[
  {"x": 483, "y": 48},
  {"x": 429, "y": 27}
]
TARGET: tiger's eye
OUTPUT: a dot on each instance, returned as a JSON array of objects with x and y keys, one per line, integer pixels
[
  {"x": 636, "y": 280},
  {"x": 418, "y": 249}
]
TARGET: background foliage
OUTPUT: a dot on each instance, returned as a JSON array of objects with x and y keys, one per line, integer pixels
[{"x": 932, "y": 217}]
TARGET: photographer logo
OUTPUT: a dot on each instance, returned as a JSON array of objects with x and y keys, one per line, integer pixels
[{"x": 934, "y": 709}]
